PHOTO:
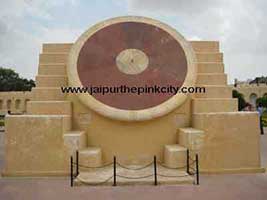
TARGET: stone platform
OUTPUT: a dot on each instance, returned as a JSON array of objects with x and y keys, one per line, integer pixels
[{"x": 104, "y": 176}]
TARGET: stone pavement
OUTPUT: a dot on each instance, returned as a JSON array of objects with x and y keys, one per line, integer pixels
[{"x": 226, "y": 187}]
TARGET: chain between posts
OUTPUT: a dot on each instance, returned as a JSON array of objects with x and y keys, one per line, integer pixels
[{"x": 190, "y": 170}]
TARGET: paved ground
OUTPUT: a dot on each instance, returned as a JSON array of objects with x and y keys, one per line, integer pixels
[{"x": 226, "y": 187}]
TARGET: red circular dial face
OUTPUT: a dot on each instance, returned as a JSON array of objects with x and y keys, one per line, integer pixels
[{"x": 132, "y": 54}]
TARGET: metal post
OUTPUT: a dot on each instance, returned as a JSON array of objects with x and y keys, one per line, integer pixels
[
  {"x": 114, "y": 171},
  {"x": 77, "y": 163},
  {"x": 155, "y": 171},
  {"x": 197, "y": 170},
  {"x": 187, "y": 161},
  {"x": 71, "y": 171}
]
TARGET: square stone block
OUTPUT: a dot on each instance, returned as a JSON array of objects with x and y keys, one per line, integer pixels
[
  {"x": 91, "y": 156},
  {"x": 191, "y": 138},
  {"x": 232, "y": 141},
  {"x": 174, "y": 155},
  {"x": 34, "y": 145},
  {"x": 75, "y": 140}
]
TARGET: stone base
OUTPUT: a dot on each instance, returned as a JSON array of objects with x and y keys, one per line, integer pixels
[
  {"x": 104, "y": 176},
  {"x": 231, "y": 141},
  {"x": 91, "y": 156},
  {"x": 34, "y": 145},
  {"x": 175, "y": 156}
]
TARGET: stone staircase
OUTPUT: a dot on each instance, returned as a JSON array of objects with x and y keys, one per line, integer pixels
[
  {"x": 218, "y": 96},
  {"x": 47, "y": 100},
  {"x": 216, "y": 100}
]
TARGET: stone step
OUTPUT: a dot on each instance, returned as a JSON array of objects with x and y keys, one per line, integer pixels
[
  {"x": 174, "y": 155},
  {"x": 215, "y": 92},
  {"x": 210, "y": 57},
  {"x": 51, "y": 81},
  {"x": 205, "y": 46},
  {"x": 52, "y": 69},
  {"x": 74, "y": 141},
  {"x": 104, "y": 176},
  {"x": 53, "y": 58},
  {"x": 90, "y": 157},
  {"x": 209, "y": 67},
  {"x": 57, "y": 47},
  {"x": 191, "y": 138},
  {"x": 47, "y": 94},
  {"x": 211, "y": 79},
  {"x": 214, "y": 105},
  {"x": 49, "y": 108}
]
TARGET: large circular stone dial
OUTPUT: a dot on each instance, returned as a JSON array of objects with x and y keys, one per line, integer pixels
[{"x": 131, "y": 52}]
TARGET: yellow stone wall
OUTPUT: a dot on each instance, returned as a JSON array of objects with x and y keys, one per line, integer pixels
[
  {"x": 133, "y": 142},
  {"x": 35, "y": 145},
  {"x": 231, "y": 142}
]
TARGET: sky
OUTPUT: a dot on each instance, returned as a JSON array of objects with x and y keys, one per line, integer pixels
[{"x": 239, "y": 25}]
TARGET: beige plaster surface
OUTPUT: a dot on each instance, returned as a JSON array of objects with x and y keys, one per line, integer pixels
[
  {"x": 53, "y": 58},
  {"x": 174, "y": 156},
  {"x": 90, "y": 157},
  {"x": 75, "y": 141},
  {"x": 211, "y": 79},
  {"x": 52, "y": 69},
  {"x": 214, "y": 67},
  {"x": 215, "y": 91},
  {"x": 49, "y": 108},
  {"x": 231, "y": 141},
  {"x": 50, "y": 81},
  {"x": 207, "y": 105},
  {"x": 209, "y": 57},
  {"x": 206, "y": 46},
  {"x": 48, "y": 94},
  {"x": 34, "y": 145}
]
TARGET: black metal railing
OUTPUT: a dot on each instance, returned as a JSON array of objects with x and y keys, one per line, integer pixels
[{"x": 191, "y": 167}]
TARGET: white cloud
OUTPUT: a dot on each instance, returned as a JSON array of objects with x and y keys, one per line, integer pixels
[
  {"x": 239, "y": 25},
  {"x": 19, "y": 45}
]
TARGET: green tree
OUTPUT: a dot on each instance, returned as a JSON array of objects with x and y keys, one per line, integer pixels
[
  {"x": 241, "y": 100},
  {"x": 263, "y": 101},
  {"x": 11, "y": 81}
]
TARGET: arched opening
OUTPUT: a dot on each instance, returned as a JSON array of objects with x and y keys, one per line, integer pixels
[
  {"x": 25, "y": 104},
  {"x": 8, "y": 104},
  {"x": 253, "y": 99},
  {"x": 1, "y": 104},
  {"x": 17, "y": 104},
  {"x": 265, "y": 95}
]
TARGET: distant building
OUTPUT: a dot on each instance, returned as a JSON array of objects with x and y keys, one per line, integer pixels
[
  {"x": 252, "y": 89},
  {"x": 14, "y": 101}
]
